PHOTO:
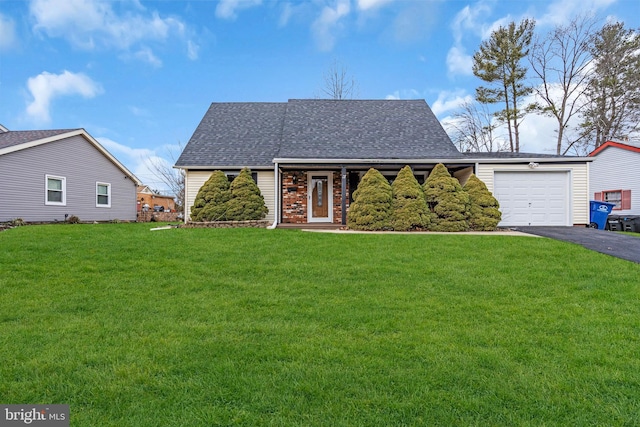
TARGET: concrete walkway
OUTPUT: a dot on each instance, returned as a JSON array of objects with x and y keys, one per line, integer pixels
[{"x": 606, "y": 242}]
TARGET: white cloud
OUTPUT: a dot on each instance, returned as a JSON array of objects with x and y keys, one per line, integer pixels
[
  {"x": 93, "y": 24},
  {"x": 405, "y": 94},
  {"x": 561, "y": 12},
  {"x": 227, "y": 9},
  {"x": 146, "y": 55},
  {"x": 192, "y": 50},
  {"x": 328, "y": 23},
  {"x": 466, "y": 20},
  {"x": 142, "y": 162},
  {"x": 371, "y": 4},
  {"x": 458, "y": 62},
  {"x": 46, "y": 86},
  {"x": 448, "y": 101},
  {"x": 7, "y": 33}
]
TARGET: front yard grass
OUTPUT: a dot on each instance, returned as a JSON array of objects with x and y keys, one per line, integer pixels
[{"x": 203, "y": 327}]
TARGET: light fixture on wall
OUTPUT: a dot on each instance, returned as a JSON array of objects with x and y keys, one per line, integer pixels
[{"x": 294, "y": 178}]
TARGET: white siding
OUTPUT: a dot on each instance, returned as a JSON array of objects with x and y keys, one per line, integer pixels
[
  {"x": 267, "y": 188},
  {"x": 616, "y": 169},
  {"x": 578, "y": 185},
  {"x": 195, "y": 179}
]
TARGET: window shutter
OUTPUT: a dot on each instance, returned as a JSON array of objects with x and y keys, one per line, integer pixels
[
  {"x": 597, "y": 196},
  {"x": 626, "y": 199}
]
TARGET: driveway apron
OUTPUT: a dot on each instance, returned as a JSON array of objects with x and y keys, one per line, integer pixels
[{"x": 606, "y": 242}]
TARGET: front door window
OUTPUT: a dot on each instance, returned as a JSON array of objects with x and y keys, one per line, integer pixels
[{"x": 320, "y": 197}]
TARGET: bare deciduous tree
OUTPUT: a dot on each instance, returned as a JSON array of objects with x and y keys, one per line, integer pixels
[
  {"x": 559, "y": 61},
  {"x": 473, "y": 129},
  {"x": 173, "y": 178},
  {"x": 337, "y": 83}
]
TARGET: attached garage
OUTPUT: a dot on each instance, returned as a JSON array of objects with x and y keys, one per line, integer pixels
[
  {"x": 533, "y": 198},
  {"x": 537, "y": 191}
]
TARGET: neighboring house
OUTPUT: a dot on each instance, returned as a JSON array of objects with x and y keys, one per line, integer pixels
[
  {"x": 50, "y": 175},
  {"x": 614, "y": 176},
  {"x": 149, "y": 199},
  {"x": 309, "y": 155}
]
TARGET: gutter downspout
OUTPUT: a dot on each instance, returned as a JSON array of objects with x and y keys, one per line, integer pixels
[{"x": 276, "y": 183}]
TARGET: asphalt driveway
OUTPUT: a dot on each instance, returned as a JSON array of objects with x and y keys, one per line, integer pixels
[{"x": 606, "y": 242}]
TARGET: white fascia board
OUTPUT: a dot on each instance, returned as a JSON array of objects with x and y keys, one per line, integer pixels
[
  {"x": 76, "y": 132},
  {"x": 208, "y": 168},
  {"x": 285, "y": 161},
  {"x": 531, "y": 159}
]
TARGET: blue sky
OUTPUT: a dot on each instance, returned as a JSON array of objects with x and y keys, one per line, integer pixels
[{"x": 139, "y": 75}]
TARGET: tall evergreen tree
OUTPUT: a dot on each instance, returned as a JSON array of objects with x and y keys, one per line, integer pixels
[
  {"x": 447, "y": 200},
  {"x": 498, "y": 63},
  {"x": 613, "y": 93},
  {"x": 211, "y": 203},
  {"x": 410, "y": 210},
  {"x": 371, "y": 207}
]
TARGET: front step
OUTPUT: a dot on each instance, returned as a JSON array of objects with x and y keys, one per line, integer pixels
[{"x": 311, "y": 226}]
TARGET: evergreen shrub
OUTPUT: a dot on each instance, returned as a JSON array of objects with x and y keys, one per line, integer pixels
[
  {"x": 484, "y": 214},
  {"x": 446, "y": 200},
  {"x": 410, "y": 211},
  {"x": 211, "y": 203},
  {"x": 247, "y": 203},
  {"x": 371, "y": 206}
]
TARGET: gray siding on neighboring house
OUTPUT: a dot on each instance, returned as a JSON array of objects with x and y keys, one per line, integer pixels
[
  {"x": 22, "y": 183},
  {"x": 616, "y": 169}
]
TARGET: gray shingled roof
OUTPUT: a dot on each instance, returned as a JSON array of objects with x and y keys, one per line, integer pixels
[
  {"x": 11, "y": 138},
  {"x": 236, "y": 134},
  {"x": 253, "y": 134}
]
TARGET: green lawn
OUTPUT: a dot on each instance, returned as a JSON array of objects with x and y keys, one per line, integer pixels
[{"x": 203, "y": 327}]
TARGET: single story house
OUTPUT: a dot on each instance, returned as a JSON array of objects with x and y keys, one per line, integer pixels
[
  {"x": 50, "y": 175},
  {"x": 614, "y": 176},
  {"x": 308, "y": 156},
  {"x": 150, "y": 200}
]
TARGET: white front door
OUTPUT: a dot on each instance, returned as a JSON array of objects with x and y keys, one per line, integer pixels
[{"x": 320, "y": 197}]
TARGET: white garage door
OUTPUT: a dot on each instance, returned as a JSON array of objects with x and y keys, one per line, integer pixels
[{"x": 533, "y": 198}]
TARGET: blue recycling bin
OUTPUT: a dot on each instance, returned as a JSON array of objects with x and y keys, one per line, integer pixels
[{"x": 599, "y": 213}]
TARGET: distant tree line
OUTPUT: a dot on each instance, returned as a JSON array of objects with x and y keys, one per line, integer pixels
[{"x": 585, "y": 76}]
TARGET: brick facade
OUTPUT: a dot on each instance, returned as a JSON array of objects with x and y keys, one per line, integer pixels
[{"x": 294, "y": 197}]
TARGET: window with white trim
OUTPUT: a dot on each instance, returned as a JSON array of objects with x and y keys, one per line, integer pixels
[
  {"x": 55, "y": 190},
  {"x": 103, "y": 195}
]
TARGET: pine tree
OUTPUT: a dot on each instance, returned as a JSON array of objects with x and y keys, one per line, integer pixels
[
  {"x": 613, "y": 90},
  {"x": 447, "y": 200},
  {"x": 484, "y": 214},
  {"x": 211, "y": 202},
  {"x": 371, "y": 207},
  {"x": 497, "y": 62},
  {"x": 410, "y": 210},
  {"x": 246, "y": 201}
]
